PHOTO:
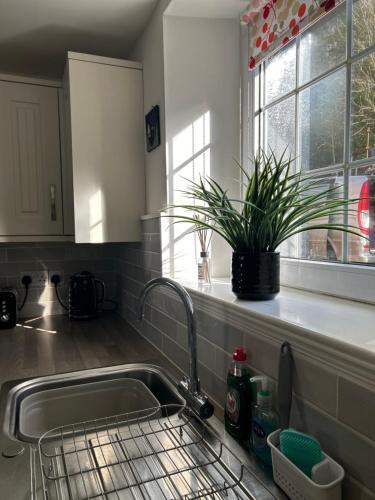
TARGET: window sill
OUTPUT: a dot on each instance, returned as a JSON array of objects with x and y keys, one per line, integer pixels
[{"x": 341, "y": 330}]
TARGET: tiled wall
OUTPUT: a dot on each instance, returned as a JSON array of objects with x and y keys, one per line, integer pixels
[
  {"x": 15, "y": 258},
  {"x": 327, "y": 404}
]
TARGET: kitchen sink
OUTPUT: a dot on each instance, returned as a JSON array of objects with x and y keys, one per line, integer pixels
[
  {"x": 74, "y": 438},
  {"x": 41, "y": 404}
]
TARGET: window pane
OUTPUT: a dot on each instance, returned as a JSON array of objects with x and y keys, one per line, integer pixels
[
  {"x": 256, "y": 89},
  {"x": 322, "y": 118},
  {"x": 363, "y": 25},
  {"x": 319, "y": 244},
  {"x": 362, "y": 185},
  {"x": 281, "y": 73},
  {"x": 289, "y": 248},
  {"x": 324, "y": 46},
  {"x": 363, "y": 108},
  {"x": 324, "y": 244},
  {"x": 280, "y": 123},
  {"x": 256, "y": 134}
]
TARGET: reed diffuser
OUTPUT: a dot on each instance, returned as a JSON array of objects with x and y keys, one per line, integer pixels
[{"x": 204, "y": 237}]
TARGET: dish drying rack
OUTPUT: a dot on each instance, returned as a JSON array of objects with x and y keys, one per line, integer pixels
[{"x": 173, "y": 456}]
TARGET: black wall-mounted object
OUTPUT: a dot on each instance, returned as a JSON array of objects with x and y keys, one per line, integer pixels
[
  {"x": 153, "y": 128},
  {"x": 8, "y": 308}
]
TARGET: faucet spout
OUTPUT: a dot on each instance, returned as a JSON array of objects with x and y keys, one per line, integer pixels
[
  {"x": 190, "y": 317},
  {"x": 189, "y": 387}
]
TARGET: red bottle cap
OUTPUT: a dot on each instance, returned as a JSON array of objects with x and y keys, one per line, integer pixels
[{"x": 240, "y": 354}]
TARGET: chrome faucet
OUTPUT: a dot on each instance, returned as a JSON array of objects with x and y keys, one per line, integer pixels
[{"x": 189, "y": 387}]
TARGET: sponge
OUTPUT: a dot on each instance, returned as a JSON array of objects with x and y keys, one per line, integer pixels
[{"x": 301, "y": 449}]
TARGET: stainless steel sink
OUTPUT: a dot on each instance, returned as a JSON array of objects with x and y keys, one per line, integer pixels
[
  {"x": 118, "y": 457},
  {"x": 59, "y": 400}
]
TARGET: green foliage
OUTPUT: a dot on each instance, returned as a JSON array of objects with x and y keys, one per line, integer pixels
[{"x": 277, "y": 204}]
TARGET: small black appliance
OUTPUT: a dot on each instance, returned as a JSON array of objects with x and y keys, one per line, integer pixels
[
  {"x": 86, "y": 293},
  {"x": 8, "y": 308}
]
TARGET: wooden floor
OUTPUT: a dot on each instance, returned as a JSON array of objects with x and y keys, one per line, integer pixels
[{"x": 54, "y": 344}]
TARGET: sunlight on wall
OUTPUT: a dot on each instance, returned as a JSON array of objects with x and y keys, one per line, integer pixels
[
  {"x": 96, "y": 218},
  {"x": 188, "y": 158}
]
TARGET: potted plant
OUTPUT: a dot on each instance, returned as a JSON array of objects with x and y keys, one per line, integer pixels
[{"x": 277, "y": 204}]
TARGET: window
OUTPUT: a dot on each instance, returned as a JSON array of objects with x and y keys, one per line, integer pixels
[{"x": 316, "y": 99}]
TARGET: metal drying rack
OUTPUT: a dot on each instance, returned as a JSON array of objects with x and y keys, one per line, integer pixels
[{"x": 172, "y": 456}]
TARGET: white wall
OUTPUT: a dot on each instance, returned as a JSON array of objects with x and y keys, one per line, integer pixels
[
  {"x": 149, "y": 51},
  {"x": 202, "y": 79}
]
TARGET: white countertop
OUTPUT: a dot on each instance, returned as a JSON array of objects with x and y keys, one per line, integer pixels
[{"x": 342, "y": 320}]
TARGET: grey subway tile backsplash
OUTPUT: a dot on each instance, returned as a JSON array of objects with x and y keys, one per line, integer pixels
[
  {"x": 315, "y": 383},
  {"x": 17, "y": 258},
  {"x": 170, "y": 306},
  {"x": 43, "y": 254},
  {"x": 206, "y": 353},
  {"x": 178, "y": 355},
  {"x": 151, "y": 225},
  {"x": 152, "y": 334},
  {"x": 355, "y": 452},
  {"x": 3, "y": 255},
  {"x": 164, "y": 323},
  {"x": 356, "y": 407},
  {"x": 152, "y": 261},
  {"x": 263, "y": 354},
  {"x": 353, "y": 490},
  {"x": 151, "y": 243},
  {"x": 222, "y": 360},
  {"x": 213, "y": 385},
  {"x": 216, "y": 331}
]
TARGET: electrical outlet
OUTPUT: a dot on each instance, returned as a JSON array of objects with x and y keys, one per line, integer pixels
[
  {"x": 60, "y": 273},
  {"x": 39, "y": 278}
]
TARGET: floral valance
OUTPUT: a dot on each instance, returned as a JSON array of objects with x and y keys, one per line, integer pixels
[{"x": 274, "y": 23}]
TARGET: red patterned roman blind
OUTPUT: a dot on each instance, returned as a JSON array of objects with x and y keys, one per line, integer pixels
[{"x": 274, "y": 23}]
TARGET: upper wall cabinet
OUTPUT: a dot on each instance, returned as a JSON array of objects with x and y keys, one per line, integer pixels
[
  {"x": 30, "y": 187},
  {"x": 105, "y": 147}
]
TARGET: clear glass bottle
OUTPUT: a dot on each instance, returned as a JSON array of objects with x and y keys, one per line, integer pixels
[{"x": 204, "y": 268}]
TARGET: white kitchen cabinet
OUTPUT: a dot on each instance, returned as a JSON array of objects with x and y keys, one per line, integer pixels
[
  {"x": 30, "y": 169},
  {"x": 105, "y": 101}
]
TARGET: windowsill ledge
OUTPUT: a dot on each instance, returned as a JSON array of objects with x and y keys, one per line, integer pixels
[{"x": 331, "y": 325}]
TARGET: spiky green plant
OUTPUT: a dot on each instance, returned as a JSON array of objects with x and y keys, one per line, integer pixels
[{"x": 277, "y": 204}]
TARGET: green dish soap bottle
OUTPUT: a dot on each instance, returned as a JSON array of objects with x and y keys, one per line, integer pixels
[
  {"x": 264, "y": 420},
  {"x": 238, "y": 402}
]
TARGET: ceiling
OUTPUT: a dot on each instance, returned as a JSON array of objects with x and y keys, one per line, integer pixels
[
  {"x": 216, "y": 9},
  {"x": 36, "y": 34}
]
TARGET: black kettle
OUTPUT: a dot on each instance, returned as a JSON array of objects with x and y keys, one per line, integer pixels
[{"x": 86, "y": 293}]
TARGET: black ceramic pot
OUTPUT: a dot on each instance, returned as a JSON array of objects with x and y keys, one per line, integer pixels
[{"x": 256, "y": 276}]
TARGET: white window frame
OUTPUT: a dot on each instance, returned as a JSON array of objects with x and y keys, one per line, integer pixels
[{"x": 344, "y": 279}]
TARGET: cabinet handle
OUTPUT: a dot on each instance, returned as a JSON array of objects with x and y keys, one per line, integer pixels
[{"x": 52, "y": 190}]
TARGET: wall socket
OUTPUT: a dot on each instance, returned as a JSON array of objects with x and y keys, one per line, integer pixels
[
  {"x": 39, "y": 278},
  {"x": 51, "y": 273}
]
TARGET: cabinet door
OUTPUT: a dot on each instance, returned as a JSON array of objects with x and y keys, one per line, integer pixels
[
  {"x": 108, "y": 151},
  {"x": 30, "y": 184},
  {"x": 66, "y": 156}
]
